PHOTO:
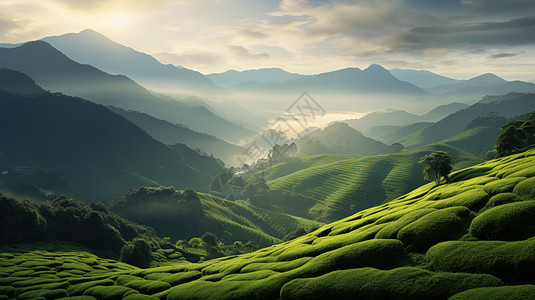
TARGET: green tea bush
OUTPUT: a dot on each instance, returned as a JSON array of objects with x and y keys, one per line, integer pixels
[
  {"x": 502, "y": 198},
  {"x": 513, "y": 221},
  {"x": 434, "y": 227},
  {"x": 526, "y": 188},
  {"x": 513, "y": 262},
  {"x": 517, "y": 292},
  {"x": 502, "y": 185},
  {"x": 370, "y": 283}
]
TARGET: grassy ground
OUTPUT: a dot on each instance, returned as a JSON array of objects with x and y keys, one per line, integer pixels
[{"x": 470, "y": 239}]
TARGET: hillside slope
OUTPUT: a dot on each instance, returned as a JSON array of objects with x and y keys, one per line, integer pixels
[
  {"x": 342, "y": 139},
  {"x": 510, "y": 105},
  {"x": 173, "y": 215},
  {"x": 347, "y": 184},
  {"x": 101, "y": 160},
  {"x": 470, "y": 239},
  {"x": 170, "y": 134},
  {"x": 18, "y": 83}
]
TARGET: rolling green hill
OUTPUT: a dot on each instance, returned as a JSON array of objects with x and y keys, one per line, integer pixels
[
  {"x": 176, "y": 216},
  {"x": 343, "y": 184},
  {"x": 477, "y": 140},
  {"x": 396, "y": 134},
  {"x": 470, "y": 239}
]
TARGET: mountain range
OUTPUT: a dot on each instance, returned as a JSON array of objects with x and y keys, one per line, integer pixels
[
  {"x": 372, "y": 80},
  {"x": 93, "y": 48},
  {"x": 99, "y": 153},
  {"x": 508, "y": 106},
  {"x": 422, "y": 78},
  {"x": 482, "y": 85},
  {"x": 396, "y": 117},
  {"x": 232, "y": 78},
  {"x": 56, "y": 72}
]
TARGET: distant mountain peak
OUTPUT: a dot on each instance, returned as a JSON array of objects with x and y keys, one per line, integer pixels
[
  {"x": 377, "y": 70},
  {"x": 375, "y": 67},
  {"x": 486, "y": 79}
]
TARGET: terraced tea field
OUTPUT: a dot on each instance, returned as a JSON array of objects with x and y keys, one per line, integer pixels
[
  {"x": 249, "y": 223},
  {"x": 343, "y": 184},
  {"x": 470, "y": 239}
]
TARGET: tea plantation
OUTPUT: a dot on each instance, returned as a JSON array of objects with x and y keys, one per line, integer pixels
[{"x": 471, "y": 239}]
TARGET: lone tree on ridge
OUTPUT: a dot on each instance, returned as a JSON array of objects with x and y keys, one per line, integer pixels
[{"x": 436, "y": 166}]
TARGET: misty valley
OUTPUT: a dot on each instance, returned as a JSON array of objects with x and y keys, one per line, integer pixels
[{"x": 124, "y": 176}]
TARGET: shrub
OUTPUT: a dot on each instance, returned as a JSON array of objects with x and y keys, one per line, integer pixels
[
  {"x": 513, "y": 221},
  {"x": 513, "y": 262},
  {"x": 526, "y": 188},
  {"x": 137, "y": 253},
  {"x": 502, "y": 185},
  {"x": 502, "y": 198},
  {"x": 520, "y": 292},
  {"x": 434, "y": 227},
  {"x": 370, "y": 283}
]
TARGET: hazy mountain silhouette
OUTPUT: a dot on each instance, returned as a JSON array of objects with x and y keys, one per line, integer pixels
[
  {"x": 169, "y": 133},
  {"x": 87, "y": 143},
  {"x": 372, "y": 80},
  {"x": 395, "y": 117},
  {"x": 395, "y": 134},
  {"x": 93, "y": 48},
  {"x": 442, "y": 111},
  {"x": 18, "y": 83},
  {"x": 510, "y": 105},
  {"x": 349, "y": 140},
  {"x": 261, "y": 76},
  {"x": 380, "y": 118},
  {"x": 479, "y": 86},
  {"x": 53, "y": 70},
  {"x": 422, "y": 78}
]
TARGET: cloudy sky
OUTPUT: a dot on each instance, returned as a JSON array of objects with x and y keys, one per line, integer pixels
[{"x": 458, "y": 38}]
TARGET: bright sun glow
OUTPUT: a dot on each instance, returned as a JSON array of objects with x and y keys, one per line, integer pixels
[{"x": 117, "y": 21}]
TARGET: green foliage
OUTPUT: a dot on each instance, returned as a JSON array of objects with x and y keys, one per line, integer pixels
[
  {"x": 502, "y": 185},
  {"x": 517, "y": 292},
  {"x": 397, "y": 147},
  {"x": 436, "y": 166},
  {"x": 148, "y": 287},
  {"x": 526, "y": 188},
  {"x": 512, "y": 221},
  {"x": 434, "y": 227},
  {"x": 375, "y": 253},
  {"x": 516, "y": 136},
  {"x": 502, "y": 198},
  {"x": 492, "y": 120},
  {"x": 137, "y": 252},
  {"x": 513, "y": 262},
  {"x": 109, "y": 292},
  {"x": 370, "y": 283},
  {"x": 331, "y": 187}
]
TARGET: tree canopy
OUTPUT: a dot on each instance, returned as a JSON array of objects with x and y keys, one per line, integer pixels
[
  {"x": 436, "y": 166},
  {"x": 516, "y": 136}
]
